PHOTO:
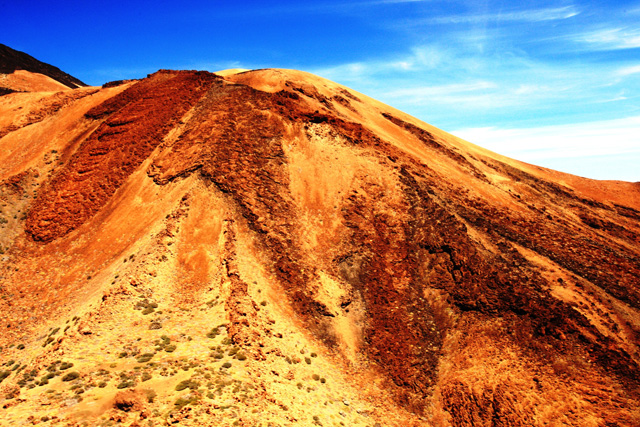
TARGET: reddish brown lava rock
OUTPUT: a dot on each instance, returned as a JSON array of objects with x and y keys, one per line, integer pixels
[
  {"x": 136, "y": 121},
  {"x": 128, "y": 401}
]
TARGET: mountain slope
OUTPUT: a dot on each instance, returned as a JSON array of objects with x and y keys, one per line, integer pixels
[
  {"x": 271, "y": 247},
  {"x": 20, "y": 72}
]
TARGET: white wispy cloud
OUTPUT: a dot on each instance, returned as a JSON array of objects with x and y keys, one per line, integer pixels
[
  {"x": 610, "y": 38},
  {"x": 528, "y": 15},
  {"x": 566, "y": 145},
  {"x": 439, "y": 78},
  {"x": 627, "y": 71}
]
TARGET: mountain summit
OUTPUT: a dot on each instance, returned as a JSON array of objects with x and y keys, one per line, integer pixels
[{"x": 268, "y": 247}]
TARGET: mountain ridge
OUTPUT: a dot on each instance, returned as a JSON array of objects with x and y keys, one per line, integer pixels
[{"x": 12, "y": 61}]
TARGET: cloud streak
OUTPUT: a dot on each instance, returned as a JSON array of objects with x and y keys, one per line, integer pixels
[
  {"x": 610, "y": 38},
  {"x": 530, "y": 15},
  {"x": 565, "y": 146}
]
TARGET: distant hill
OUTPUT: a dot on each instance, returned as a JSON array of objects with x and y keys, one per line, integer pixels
[{"x": 12, "y": 60}]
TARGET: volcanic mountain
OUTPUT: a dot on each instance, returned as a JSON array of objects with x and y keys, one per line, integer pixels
[{"x": 267, "y": 247}]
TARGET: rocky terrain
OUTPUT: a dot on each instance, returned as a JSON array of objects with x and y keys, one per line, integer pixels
[{"x": 269, "y": 248}]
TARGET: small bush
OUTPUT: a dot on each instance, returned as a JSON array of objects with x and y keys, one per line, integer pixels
[
  {"x": 145, "y": 357},
  {"x": 226, "y": 365},
  {"x": 170, "y": 348},
  {"x": 182, "y": 401},
  {"x": 306, "y": 359},
  {"x": 71, "y": 376},
  {"x": 151, "y": 395},
  {"x": 65, "y": 365},
  {"x": 126, "y": 384},
  {"x": 190, "y": 384}
]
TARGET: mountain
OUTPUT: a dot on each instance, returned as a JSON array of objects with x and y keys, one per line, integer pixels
[
  {"x": 20, "y": 72},
  {"x": 267, "y": 247}
]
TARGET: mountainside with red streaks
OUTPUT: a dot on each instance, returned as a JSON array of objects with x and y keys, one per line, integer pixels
[{"x": 271, "y": 248}]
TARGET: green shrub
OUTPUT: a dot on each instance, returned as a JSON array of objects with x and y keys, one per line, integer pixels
[
  {"x": 170, "y": 348},
  {"x": 190, "y": 384},
  {"x": 126, "y": 384},
  {"x": 71, "y": 376},
  {"x": 226, "y": 365},
  {"x": 182, "y": 402},
  {"x": 145, "y": 357},
  {"x": 65, "y": 365}
]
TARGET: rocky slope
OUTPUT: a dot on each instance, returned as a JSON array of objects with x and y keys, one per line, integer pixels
[{"x": 271, "y": 248}]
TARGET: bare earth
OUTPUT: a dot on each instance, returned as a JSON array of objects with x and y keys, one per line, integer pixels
[{"x": 269, "y": 248}]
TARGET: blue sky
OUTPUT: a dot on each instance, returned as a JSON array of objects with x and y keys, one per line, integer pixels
[{"x": 551, "y": 83}]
